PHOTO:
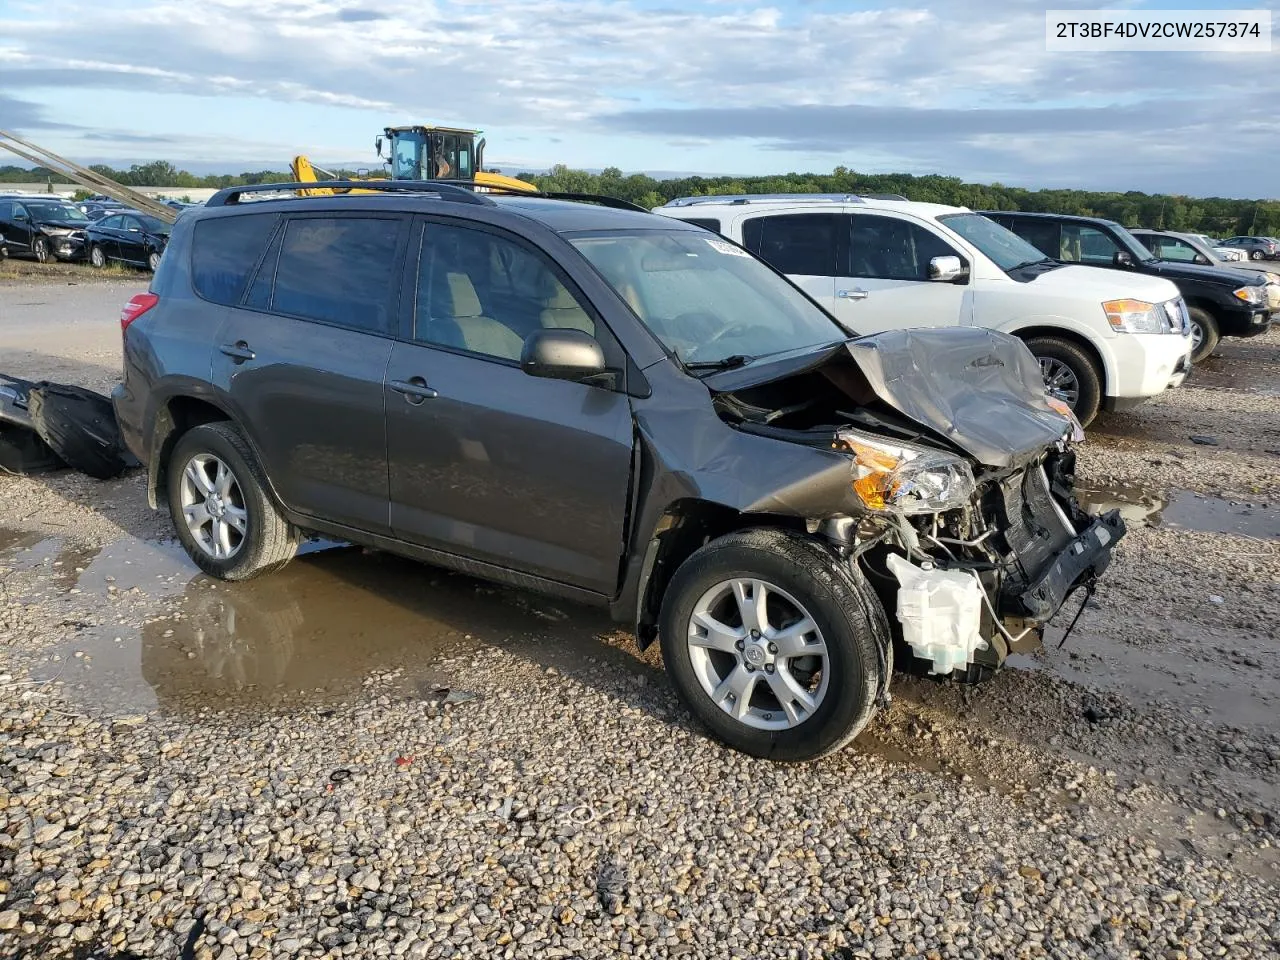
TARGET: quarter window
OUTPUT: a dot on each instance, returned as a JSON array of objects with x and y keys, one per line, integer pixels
[
  {"x": 484, "y": 293},
  {"x": 799, "y": 244},
  {"x": 338, "y": 270},
  {"x": 224, "y": 252},
  {"x": 887, "y": 248}
]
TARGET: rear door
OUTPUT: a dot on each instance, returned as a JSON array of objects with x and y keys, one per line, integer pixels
[
  {"x": 487, "y": 462},
  {"x": 21, "y": 229},
  {"x": 301, "y": 360},
  {"x": 805, "y": 246},
  {"x": 14, "y": 239},
  {"x": 885, "y": 281}
]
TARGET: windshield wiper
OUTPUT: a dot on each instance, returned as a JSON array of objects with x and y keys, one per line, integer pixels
[
  {"x": 724, "y": 363},
  {"x": 1032, "y": 263}
]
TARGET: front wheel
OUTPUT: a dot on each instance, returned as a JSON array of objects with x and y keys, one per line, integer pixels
[
  {"x": 41, "y": 249},
  {"x": 220, "y": 508},
  {"x": 97, "y": 257},
  {"x": 153, "y": 261},
  {"x": 1204, "y": 334},
  {"x": 1069, "y": 375},
  {"x": 774, "y": 645}
]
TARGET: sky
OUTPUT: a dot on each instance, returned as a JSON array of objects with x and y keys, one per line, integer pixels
[{"x": 958, "y": 87}]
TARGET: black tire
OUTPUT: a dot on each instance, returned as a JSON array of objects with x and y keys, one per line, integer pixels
[
  {"x": 97, "y": 257},
  {"x": 1209, "y": 335},
  {"x": 1088, "y": 389},
  {"x": 838, "y": 600},
  {"x": 153, "y": 261},
  {"x": 40, "y": 247},
  {"x": 268, "y": 541}
]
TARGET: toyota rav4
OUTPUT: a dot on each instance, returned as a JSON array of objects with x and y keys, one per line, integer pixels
[{"x": 593, "y": 401}]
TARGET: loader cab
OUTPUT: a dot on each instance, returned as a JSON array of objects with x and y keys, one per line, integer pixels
[{"x": 432, "y": 153}]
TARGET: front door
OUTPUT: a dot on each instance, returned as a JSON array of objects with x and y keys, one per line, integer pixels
[
  {"x": 302, "y": 361},
  {"x": 487, "y": 462},
  {"x": 132, "y": 241},
  {"x": 885, "y": 283}
]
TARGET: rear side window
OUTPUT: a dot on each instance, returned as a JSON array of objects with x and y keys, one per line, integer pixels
[
  {"x": 801, "y": 244},
  {"x": 225, "y": 251},
  {"x": 339, "y": 270}
]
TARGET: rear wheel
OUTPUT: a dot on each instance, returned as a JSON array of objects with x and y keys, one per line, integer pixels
[
  {"x": 1204, "y": 334},
  {"x": 220, "y": 508},
  {"x": 97, "y": 256},
  {"x": 41, "y": 249},
  {"x": 1070, "y": 375},
  {"x": 1255, "y": 254},
  {"x": 776, "y": 648}
]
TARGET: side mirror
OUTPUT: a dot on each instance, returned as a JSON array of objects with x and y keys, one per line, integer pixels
[
  {"x": 377, "y": 146},
  {"x": 946, "y": 269},
  {"x": 1122, "y": 258},
  {"x": 20, "y": 217},
  {"x": 1201, "y": 258},
  {"x": 562, "y": 355},
  {"x": 362, "y": 173}
]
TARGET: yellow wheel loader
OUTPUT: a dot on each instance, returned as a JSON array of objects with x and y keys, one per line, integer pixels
[{"x": 423, "y": 153}]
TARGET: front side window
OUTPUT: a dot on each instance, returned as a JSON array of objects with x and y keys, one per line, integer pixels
[
  {"x": 405, "y": 158},
  {"x": 703, "y": 298},
  {"x": 1085, "y": 244},
  {"x": 1171, "y": 248},
  {"x": 888, "y": 248},
  {"x": 6, "y": 210},
  {"x": 131, "y": 223},
  {"x": 338, "y": 270},
  {"x": 224, "y": 252},
  {"x": 111, "y": 223},
  {"x": 485, "y": 293},
  {"x": 798, "y": 244},
  {"x": 153, "y": 225}
]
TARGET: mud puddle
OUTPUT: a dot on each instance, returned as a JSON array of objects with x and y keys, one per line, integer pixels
[
  {"x": 1185, "y": 510},
  {"x": 316, "y": 629}
]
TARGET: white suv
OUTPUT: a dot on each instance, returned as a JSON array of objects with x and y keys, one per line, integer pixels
[{"x": 1103, "y": 338}]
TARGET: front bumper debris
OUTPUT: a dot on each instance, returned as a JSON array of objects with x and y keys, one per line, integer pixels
[{"x": 1079, "y": 562}]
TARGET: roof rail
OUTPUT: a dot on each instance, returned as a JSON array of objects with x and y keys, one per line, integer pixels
[
  {"x": 767, "y": 198},
  {"x": 445, "y": 190}
]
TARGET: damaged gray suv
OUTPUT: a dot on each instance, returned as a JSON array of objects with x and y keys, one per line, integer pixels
[{"x": 597, "y": 402}]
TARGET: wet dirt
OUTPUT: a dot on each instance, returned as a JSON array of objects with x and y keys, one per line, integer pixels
[
  {"x": 313, "y": 631},
  {"x": 1185, "y": 509}
]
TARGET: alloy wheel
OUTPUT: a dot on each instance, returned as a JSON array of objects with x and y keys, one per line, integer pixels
[
  {"x": 213, "y": 506},
  {"x": 41, "y": 250},
  {"x": 1197, "y": 337},
  {"x": 758, "y": 654},
  {"x": 1060, "y": 380},
  {"x": 97, "y": 257}
]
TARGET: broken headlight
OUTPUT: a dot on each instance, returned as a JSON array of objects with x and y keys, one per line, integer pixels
[{"x": 897, "y": 477}]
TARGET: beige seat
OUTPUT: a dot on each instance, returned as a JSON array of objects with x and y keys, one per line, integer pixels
[
  {"x": 479, "y": 333},
  {"x": 561, "y": 311}
]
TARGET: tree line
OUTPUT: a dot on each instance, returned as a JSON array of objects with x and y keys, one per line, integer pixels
[{"x": 1216, "y": 216}]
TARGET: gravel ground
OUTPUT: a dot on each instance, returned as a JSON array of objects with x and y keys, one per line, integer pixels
[{"x": 191, "y": 769}]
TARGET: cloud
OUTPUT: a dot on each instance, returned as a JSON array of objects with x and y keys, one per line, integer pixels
[
  {"x": 23, "y": 115},
  {"x": 965, "y": 88}
]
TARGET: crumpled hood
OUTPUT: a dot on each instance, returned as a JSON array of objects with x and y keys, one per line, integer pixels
[{"x": 979, "y": 388}]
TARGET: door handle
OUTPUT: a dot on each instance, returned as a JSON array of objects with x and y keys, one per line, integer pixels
[
  {"x": 415, "y": 390},
  {"x": 238, "y": 351},
  {"x": 857, "y": 293}
]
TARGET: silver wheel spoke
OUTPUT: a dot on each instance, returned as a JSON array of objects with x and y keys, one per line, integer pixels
[
  {"x": 223, "y": 480},
  {"x": 739, "y": 684},
  {"x": 222, "y": 537},
  {"x": 199, "y": 480},
  {"x": 237, "y": 518},
  {"x": 792, "y": 641},
  {"x": 707, "y": 631},
  {"x": 796, "y": 701},
  {"x": 752, "y": 596}
]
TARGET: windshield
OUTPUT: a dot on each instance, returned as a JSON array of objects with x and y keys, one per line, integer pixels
[
  {"x": 57, "y": 212},
  {"x": 1003, "y": 247},
  {"x": 704, "y": 298}
]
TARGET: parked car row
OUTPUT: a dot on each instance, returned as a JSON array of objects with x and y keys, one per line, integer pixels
[{"x": 49, "y": 229}]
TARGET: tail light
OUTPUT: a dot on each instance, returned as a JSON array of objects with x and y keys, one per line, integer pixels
[{"x": 135, "y": 308}]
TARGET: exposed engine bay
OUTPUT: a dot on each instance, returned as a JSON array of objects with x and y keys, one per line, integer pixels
[{"x": 962, "y": 514}]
